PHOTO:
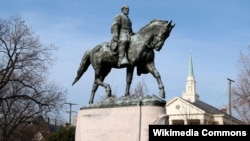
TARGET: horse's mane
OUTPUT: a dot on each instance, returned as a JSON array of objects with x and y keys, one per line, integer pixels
[{"x": 147, "y": 25}]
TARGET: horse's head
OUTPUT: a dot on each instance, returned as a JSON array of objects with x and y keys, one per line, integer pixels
[{"x": 157, "y": 32}]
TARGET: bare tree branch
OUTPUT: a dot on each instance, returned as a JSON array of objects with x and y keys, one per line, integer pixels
[
  {"x": 24, "y": 90},
  {"x": 241, "y": 91}
]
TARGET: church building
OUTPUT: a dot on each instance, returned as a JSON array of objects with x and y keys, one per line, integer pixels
[{"x": 190, "y": 110}]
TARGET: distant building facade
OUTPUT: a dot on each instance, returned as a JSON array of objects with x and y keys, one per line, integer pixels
[{"x": 190, "y": 110}]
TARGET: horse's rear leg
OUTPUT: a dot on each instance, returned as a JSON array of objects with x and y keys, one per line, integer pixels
[
  {"x": 105, "y": 85},
  {"x": 94, "y": 88},
  {"x": 100, "y": 74}
]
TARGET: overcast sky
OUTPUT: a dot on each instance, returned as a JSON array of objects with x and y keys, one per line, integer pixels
[{"x": 214, "y": 30}]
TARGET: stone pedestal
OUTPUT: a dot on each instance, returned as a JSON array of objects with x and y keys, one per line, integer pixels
[{"x": 120, "y": 120}]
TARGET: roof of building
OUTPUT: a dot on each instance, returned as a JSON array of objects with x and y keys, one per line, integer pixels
[
  {"x": 206, "y": 107},
  {"x": 209, "y": 108}
]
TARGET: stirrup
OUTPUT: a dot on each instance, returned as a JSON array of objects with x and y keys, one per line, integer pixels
[{"x": 124, "y": 61}]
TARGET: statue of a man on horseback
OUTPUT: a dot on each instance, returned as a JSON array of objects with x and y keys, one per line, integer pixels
[
  {"x": 121, "y": 30},
  {"x": 134, "y": 52}
]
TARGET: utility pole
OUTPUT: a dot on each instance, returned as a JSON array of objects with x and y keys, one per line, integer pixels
[
  {"x": 230, "y": 99},
  {"x": 70, "y": 111}
]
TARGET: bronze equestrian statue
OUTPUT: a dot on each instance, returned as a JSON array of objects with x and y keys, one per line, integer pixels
[{"x": 140, "y": 55}]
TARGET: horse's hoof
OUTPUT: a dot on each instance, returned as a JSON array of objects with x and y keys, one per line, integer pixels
[
  {"x": 108, "y": 92},
  {"x": 127, "y": 95}
]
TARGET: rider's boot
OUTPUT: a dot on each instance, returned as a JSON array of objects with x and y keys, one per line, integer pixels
[{"x": 122, "y": 58}]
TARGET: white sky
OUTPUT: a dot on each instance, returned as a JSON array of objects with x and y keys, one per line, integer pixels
[{"x": 215, "y": 31}]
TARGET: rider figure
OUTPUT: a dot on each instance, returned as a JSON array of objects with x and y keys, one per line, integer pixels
[{"x": 121, "y": 30}]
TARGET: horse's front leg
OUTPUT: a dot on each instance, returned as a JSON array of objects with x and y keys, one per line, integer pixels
[
  {"x": 129, "y": 78},
  {"x": 157, "y": 76}
]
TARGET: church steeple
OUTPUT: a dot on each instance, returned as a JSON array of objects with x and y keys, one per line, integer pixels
[
  {"x": 190, "y": 93},
  {"x": 190, "y": 67}
]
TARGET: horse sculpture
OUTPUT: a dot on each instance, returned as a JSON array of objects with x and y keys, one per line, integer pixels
[{"x": 140, "y": 54}]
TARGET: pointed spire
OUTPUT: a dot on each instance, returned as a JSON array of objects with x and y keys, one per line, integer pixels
[
  {"x": 190, "y": 93},
  {"x": 190, "y": 70}
]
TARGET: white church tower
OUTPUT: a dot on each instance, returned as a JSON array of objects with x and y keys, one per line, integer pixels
[
  {"x": 190, "y": 93},
  {"x": 190, "y": 110}
]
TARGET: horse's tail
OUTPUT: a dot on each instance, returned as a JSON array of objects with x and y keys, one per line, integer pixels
[{"x": 83, "y": 66}]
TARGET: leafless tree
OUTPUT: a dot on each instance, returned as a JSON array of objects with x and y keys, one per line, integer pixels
[
  {"x": 241, "y": 89},
  {"x": 24, "y": 88},
  {"x": 140, "y": 89}
]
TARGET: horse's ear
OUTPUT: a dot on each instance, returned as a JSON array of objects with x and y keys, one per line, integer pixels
[
  {"x": 173, "y": 25},
  {"x": 170, "y": 22}
]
